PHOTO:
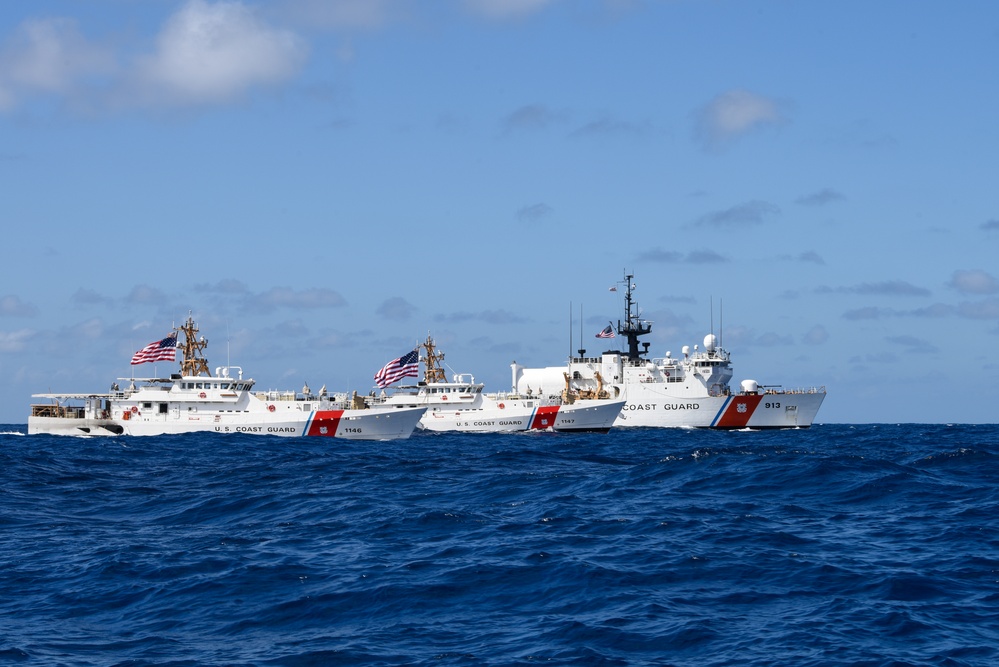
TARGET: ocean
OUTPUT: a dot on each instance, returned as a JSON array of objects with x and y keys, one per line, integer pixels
[{"x": 836, "y": 545}]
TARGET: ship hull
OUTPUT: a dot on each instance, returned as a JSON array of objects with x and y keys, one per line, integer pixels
[
  {"x": 650, "y": 406},
  {"x": 391, "y": 424},
  {"x": 515, "y": 415}
]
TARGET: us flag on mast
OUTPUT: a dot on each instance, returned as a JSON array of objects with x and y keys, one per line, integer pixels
[
  {"x": 606, "y": 332},
  {"x": 408, "y": 365},
  {"x": 161, "y": 350}
]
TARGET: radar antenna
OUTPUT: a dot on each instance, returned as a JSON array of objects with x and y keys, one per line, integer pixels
[
  {"x": 194, "y": 362},
  {"x": 432, "y": 360},
  {"x": 633, "y": 326}
]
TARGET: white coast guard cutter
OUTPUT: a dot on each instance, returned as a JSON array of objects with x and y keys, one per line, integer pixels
[
  {"x": 461, "y": 405},
  {"x": 195, "y": 401},
  {"x": 690, "y": 392}
]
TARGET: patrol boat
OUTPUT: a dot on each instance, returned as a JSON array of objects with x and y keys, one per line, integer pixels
[
  {"x": 461, "y": 405},
  {"x": 195, "y": 401},
  {"x": 692, "y": 391}
]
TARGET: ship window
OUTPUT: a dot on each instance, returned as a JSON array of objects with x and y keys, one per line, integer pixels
[{"x": 163, "y": 408}]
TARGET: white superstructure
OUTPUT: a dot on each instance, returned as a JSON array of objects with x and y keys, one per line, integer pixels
[
  {"x": 462, "y": 405},
  {"x": 195, "y": 401},
  {"x": 689, "y": 391}
]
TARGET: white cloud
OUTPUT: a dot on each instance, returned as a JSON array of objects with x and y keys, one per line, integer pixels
[
  {"x": 48, "y": 57},
  {"x": 816, "y": 335},
  {"x": 210, "y": 53},
  {"x": 12, "y": 306},
  {"x": 15, "y": 341},
  {"x": 974, "y": 281},
  {"x": 734, "y": 114}
]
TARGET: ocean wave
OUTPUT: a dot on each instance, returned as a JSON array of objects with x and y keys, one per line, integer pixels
[{"x": 867, "y": 545}]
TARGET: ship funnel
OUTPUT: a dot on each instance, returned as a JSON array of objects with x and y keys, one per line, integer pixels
[{"x": 517, "y": 372}]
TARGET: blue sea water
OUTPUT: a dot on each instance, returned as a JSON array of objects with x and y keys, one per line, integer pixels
[{"x": 835, "y": 545}]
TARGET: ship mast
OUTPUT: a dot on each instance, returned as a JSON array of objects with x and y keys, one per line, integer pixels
[
  {"x": 434, "y": 372},
  {"x": 194, "y": 362},
  {"x": 633, "y": 327}
]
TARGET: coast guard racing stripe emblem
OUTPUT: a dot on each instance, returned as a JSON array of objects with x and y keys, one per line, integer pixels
[
  {"x": 544, "y": 417},
  {"x": 737, "y": 411},
  {"x": 324, "y": 423}
]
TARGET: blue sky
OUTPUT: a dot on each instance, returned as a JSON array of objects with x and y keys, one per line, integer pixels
[{"x": 322, "y": 184}]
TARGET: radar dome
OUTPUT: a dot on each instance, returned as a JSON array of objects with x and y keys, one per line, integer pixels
[{"x": 709, "y": 342}]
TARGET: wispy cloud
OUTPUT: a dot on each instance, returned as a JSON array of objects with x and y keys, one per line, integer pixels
[
  {"x": 660, "y": 256},
  {"x": 732, "y": 115},
  {"x": 812, "y": 257},
  {"x": 609, "y": 127},
  {"x": 286, "y": 297},
  {"x": 229, "y": 286},
  {"x": 987, "y": 309},
  {"x": 89, "y": 297},
  {"x": 975, "y": 281},
  {"x": 815, "y": 336},
  {"x": 49, "y": 57},
  {"x": 534, "y": 212},
  {"x": 809, "y": 256},
  {"x": 12, "y": 306},
  {"x": 820, "y": 198},
  {"x": 15, "y": 341},
  {"x": 990, "y": 225},
  {"x": 531, "y": 117},
  {"x": 145, "y": 295},
  {"x": 884, "y": 288},
  {"x": 868, "y": 313},
  {"x": 749, "y": 213},
  {"x": 912, "y": 344},
  {"x": 487, "y": 316},
  {"x": 396, "y": 308}
]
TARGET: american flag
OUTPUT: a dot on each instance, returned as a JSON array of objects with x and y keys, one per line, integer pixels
[
  {"x": 606, "y": 332},
  {"x": 161, "y": 350},
  {"x": 408, "y": 365}
]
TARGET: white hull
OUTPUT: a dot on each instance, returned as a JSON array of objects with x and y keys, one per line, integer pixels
[
  {"x": 652, "y": 406},
  {"x": 292, "y": 420},
  {"x": 524, "y": 415}
]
